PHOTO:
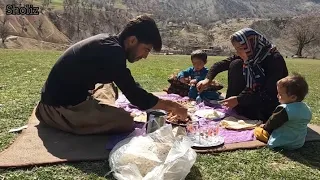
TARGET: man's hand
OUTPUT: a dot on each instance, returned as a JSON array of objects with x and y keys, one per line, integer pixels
[
  {"x": 172, "y": 106},
  {"x": 180, "y": 111},
  {"x": 202, "y": 85},
  {"x": 231, "y": 102}
]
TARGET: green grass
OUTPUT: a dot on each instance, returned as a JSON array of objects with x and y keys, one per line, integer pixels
[
  {"x": 56, "y": 4},
  {"x": 23, "y": 73},
  {"x": 119, "y": 5}
]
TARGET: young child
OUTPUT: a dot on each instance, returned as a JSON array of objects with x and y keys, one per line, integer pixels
[
  {"x": 196, "y": 73},
  {"x": 287, "y": 126}
]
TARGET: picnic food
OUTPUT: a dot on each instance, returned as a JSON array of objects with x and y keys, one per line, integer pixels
[
  {"x": 212, "y": 115},
  {"x": 174, "y": 119},
  {"x": 237, "y": 124},
  {"x": 139, "y": 117},
  {"x": 171, "y": 117},
  {"x": 187, "y": 104},
  {"x": 209, "y": 114}
]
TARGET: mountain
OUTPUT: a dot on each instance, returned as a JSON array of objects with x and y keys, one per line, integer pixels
[
  {"x": 204, "y": 11},
  {"x": 184, "y": 24}
]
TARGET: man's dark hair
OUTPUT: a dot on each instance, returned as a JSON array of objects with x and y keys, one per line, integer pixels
[
  {"x": 145, "y": 30},
  {"x": 295, "y": 84},
  {"x": 200, "y": 55}
]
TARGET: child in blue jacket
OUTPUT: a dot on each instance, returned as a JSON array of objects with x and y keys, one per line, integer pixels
[
  {"x": 287, "y": 127},
  {"x": 196, "y": 73}
]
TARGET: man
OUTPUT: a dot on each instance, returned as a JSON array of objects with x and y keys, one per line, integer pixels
[{"x": 66, "y": 102}]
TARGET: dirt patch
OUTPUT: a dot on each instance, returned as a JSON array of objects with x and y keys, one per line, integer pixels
[{"x": 16, "y": 42}]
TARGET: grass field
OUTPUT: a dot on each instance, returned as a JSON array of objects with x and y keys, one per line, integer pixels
[
  {"x": 56, "y": 4},
  {"x": 22, "y": 74}
]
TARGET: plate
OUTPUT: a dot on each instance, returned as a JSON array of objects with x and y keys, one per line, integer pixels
[
  {"x": 210, "y": 114},
  {"x": 204, "y": 143}
]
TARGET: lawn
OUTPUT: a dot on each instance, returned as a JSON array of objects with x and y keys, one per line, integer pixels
[{"x": 23, "y": 73}]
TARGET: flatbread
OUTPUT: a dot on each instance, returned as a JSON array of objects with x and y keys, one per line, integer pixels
[
  {"x": 238, "y": 124},
  {"x": 209, "y": 114},
  {"x": 139, "y": 117}
]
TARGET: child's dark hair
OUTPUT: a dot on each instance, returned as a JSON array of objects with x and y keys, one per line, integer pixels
[
  {"x": 295, "y": 84},
  {"x": 146, "y": 31},
  {"x": 200, "y": 55}
]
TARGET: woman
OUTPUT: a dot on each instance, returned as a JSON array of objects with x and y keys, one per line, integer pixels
[{"x": 252, "y": 75}]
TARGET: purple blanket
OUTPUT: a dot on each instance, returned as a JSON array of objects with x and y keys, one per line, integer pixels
[{"x": 229, "y": 135}]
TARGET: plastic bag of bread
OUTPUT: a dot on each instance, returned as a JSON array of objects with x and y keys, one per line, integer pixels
[{"x": 155, "y": 156}]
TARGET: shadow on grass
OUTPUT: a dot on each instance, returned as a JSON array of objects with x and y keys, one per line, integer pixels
[
  {"x": 194, "y": 174},
  {"x": 95, "y": 169},
  {"x": 308, "y": 155},
  {"x": 101, "y": 169}
]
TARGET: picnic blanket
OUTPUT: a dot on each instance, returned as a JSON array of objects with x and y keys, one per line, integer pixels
[
  {"x": 230, "y": 136},
  {"x": 40, "y": 144}
]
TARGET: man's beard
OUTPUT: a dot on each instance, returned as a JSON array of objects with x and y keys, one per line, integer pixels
[{"x": 131, "y": 55}]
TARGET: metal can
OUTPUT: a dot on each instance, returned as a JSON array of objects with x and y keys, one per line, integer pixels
[{"x": 155, "y": 120}]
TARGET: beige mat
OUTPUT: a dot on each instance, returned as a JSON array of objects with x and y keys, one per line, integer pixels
[{"x": 39, "y": 144}]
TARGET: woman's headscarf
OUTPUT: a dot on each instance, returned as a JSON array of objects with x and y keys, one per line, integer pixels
[{"x": 257, "y": 48}]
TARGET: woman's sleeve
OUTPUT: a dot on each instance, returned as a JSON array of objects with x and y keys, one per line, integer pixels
[
  {"x": 219, "y": 67},
  {"x": 276, "y": 70}
]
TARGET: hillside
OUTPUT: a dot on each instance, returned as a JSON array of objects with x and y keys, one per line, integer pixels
[
  {"x": 37, "y": 27},
  {"x": 206, "y": 11},
  {"x": 184, "y": 24}
]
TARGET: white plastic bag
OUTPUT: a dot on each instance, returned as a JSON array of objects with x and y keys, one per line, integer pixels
[{"x": 155, "y": 156}]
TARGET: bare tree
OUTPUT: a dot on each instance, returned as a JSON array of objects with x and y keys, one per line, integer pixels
[
  {"x": 4, "y": 30},
  {"x": 72, "y": 16},
  {"x": 40, "y": 24},
  {"x": 95, "y": 27},
  {"x": 211, "y": 37},
  {"x": 21, "y": 20},
  {"x": 89, "y": 18},
  {"x": 269, "y": 28},
  {"x": 44, "y": 4},
  {"x": 304, "y": 31},
  {"x": 170, "y": 39}
]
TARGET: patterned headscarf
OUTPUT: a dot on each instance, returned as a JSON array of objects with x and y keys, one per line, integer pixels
[{"x": 257, "y": 48}]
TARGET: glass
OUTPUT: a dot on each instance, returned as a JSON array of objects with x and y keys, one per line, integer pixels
[
  {"x": 208, "y": 130},
  {"x": 193, "y": 130},
  {"x": 203, "y": 132}
]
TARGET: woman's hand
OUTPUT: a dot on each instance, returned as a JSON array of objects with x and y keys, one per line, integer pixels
[
  {"x": 193, "y": 82},
  {"x": 202, "y": 85},
  {"x": 231, "y": 102}
]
